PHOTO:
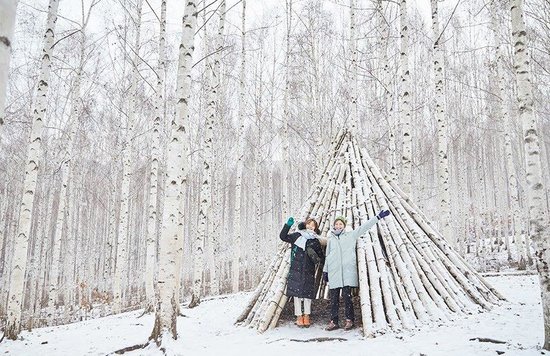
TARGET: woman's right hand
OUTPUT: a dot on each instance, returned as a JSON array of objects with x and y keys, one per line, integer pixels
[{"x": 290, "y": 221}]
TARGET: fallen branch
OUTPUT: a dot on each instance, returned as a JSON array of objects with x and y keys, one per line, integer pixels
[
  {"x": 131, "y": 348},
  {"x": 320, "y": 339},
  {"x": 315, "y": 339},
  {"x": 486, "y": 339}
]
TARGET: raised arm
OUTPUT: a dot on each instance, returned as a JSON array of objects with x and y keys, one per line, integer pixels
[
  {"x": 285, "y": 236},
  {"x": 367, "y": 225},
  {"x": 360, "y": 231}
]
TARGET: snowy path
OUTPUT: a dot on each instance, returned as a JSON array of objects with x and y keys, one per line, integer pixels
[{"x": 209, "y": 330}]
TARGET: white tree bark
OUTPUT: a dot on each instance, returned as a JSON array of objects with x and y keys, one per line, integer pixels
[
  {"x": 205, "y": 198},
  {"x": 217, "y": 198},
  {"x": 237, "y": 230},
  {"x": 285, "y": 184},
  {"x": 121, "y": 266},
  {"x": 538, "y": 214},
  {"x": 19, "y": 262},
  {"x": 502, "y": 107},
  {"x": 353, "y": 51},
  {"x": 406, "y": 111},
  {"x": 170, "y": 246},
  {"x": 441, "y": 118},
  {"x": 152, "y": 229},
  {"x": 387, "y": 80},
  {"x": 7, "y": 14},
  {"x": 62, "y": 219}
]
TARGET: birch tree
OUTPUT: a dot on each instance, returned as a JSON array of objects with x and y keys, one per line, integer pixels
[
  {"x": 121, "y": 266},
  {"x": 406, "y": 159},
  {"x": 504, "y": 117},
  {"x": 215, "y": 92},
  {"x": 440, "y": 116},
  {"x": 152, "y": 231},
  {"x": 353, "y": 51},
  {"x": 538, "y": 214},
  {"x": 205, "y": 197},
  {"x": 170, "y": 249},
  {"x": 387, "y": 79},
  {"x": 7, "y": 14},
  {"x": 19, "y": 262},
  {"x": 62, "y": 218},
  {"x": 237, "y": 231},
  {"x": 286, "y": 113}
]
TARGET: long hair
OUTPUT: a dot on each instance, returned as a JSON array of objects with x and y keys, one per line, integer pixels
[{"x": 316, "y": 229}]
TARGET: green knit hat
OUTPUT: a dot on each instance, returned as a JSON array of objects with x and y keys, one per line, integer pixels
[{"x": 342, "y": 219}]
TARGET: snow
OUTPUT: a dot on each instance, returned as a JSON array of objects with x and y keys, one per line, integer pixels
[{"x": 208, "y": 329}]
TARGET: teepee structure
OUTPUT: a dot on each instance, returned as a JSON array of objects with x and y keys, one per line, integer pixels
[{"x": 408, "y": 272}]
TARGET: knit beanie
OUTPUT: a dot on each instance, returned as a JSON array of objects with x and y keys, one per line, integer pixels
[{"x": 342, "y": 219}]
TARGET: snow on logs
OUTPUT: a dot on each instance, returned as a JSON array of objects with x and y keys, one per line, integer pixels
[{"x": 408, "y": 273}]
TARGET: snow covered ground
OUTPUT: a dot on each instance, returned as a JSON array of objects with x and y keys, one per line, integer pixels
[{"x": 209, "y": 330}]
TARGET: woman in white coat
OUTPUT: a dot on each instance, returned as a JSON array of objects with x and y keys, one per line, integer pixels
[{"x": 340, "y": 270}]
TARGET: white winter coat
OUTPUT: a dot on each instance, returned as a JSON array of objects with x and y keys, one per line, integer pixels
[{"x": 341, "y": 257}]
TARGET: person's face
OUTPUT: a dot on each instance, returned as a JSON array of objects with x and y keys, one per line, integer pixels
[
  {"x": 339, "y": 225},
  {"x": 310, "y": 226}
]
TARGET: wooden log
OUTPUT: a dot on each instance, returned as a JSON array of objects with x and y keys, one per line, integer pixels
[
  {"x": 278, "y": 312},
  {"x": 443, "y": 247},
  {"x": 383, "y": 270},
  {"x": 364, "y": 288},
  {"x": 282, "y": 273},
  {"x": 368, "y": 263},
  {"x": 274, "y": 300},
  {"x": 262, "y": 288},
  {"x": 433, "y": 234}
]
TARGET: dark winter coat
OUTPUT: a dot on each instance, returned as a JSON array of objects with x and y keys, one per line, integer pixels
[{"x": 301, "y": 277}]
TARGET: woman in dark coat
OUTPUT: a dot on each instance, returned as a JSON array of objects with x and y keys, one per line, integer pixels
[{"x": 306, "y": 253}]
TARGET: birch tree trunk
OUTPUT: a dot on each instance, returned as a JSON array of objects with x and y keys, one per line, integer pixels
[
  {"x": 121, "y": 266},
  {"x": 286, "y": 113},
  {"x": 7, "y": 14},
  {"x": 440, "y": 116},
  {"x": 406, "y": 159},
  {"x": 170, "y": 246},
  {"x": 237, "y": 231},
  {"x": 502, "y": 109},
  {"x": 353, "y": 49},
  {"x": 19, "y": 262},
  {"x": 384, "y": 41},
  {"x": 152, "y": 229},
  {"x": 206, "y": 182},
  {"x": 538, "y": 218},
  {"x": 215, "y": 208},
  {"x": 62, "y": 219}
]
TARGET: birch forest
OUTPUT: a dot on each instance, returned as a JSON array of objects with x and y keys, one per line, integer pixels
[{"x": 151, "y": 150}]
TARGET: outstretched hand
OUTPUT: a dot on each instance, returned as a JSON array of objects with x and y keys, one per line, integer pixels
[
  {"x": 382, "y": 214},
  {"x": 290, "y": 221}
]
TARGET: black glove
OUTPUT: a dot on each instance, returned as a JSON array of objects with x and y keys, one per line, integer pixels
[
  {"x": 382, "y": 214},
  {"x": 325, "y": 277}
]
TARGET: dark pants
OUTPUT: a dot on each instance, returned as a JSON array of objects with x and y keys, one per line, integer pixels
[{"x": 335, "y": 303}]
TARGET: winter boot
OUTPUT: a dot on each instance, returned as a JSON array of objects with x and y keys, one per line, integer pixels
[
  {"x": 300, "y": 321},
  {"x": 332, "y": 326},
  {"x": 306, "y": 321},
  {"x": 349, "y": 325}
]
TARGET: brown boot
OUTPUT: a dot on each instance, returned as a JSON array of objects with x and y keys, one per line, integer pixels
[
  {"x": 306, "y": 321},
  {"x": 300, "y": 321},
  {"x": 349, "y": 325},
  {"x": 332, "y": 326}
]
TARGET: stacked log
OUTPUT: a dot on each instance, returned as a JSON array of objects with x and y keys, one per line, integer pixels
[{"x": 408, "y": 273}]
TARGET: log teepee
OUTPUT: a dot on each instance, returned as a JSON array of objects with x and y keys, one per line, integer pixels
[{"x": 408, "y": 273}]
